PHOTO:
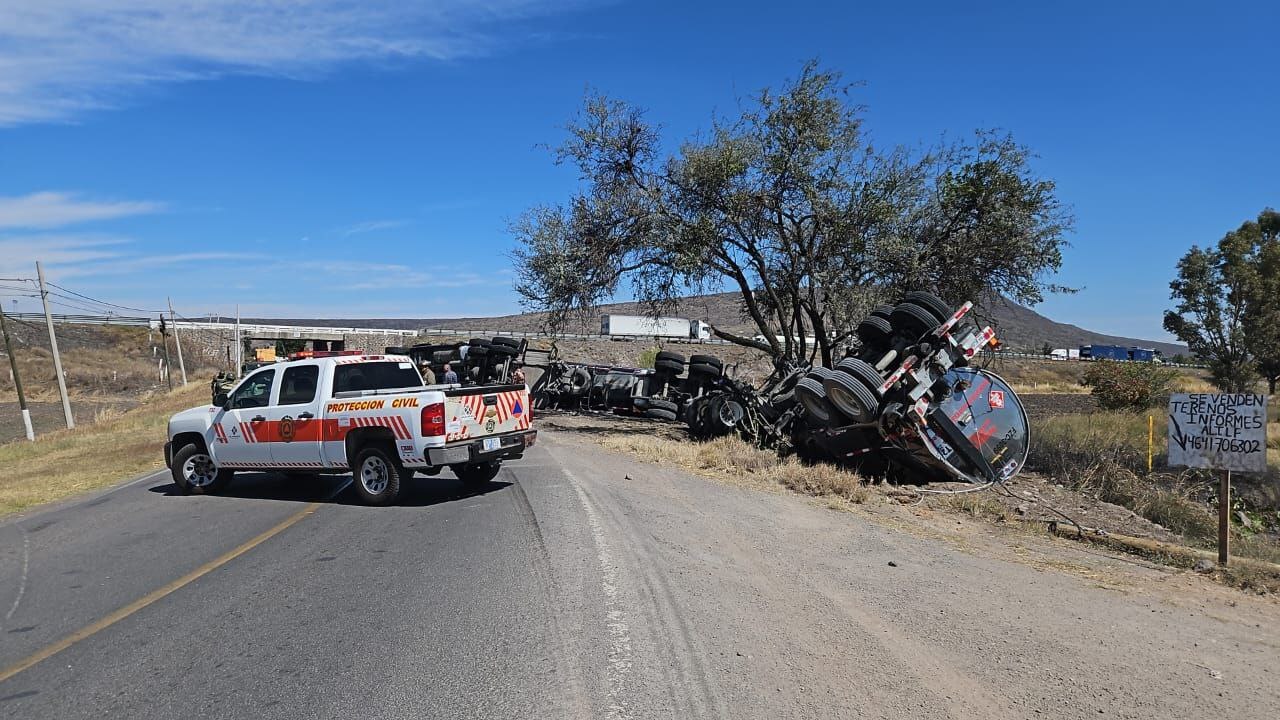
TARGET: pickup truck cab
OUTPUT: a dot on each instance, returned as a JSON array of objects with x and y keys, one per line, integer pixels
[{"x": 370, "y": 415}]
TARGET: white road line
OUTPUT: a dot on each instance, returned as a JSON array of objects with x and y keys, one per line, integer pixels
[
  {"x": 22, "y": 583},
  {"x": 620, "y": 658}
]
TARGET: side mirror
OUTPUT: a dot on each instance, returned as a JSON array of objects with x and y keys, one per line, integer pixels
[{"x": 220, "y": 399}]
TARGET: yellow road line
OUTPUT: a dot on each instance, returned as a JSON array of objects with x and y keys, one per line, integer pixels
[{"x": 142, "y": 602}]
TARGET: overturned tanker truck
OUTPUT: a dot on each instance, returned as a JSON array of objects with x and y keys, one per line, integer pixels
[{"x": 906, "y": 405}]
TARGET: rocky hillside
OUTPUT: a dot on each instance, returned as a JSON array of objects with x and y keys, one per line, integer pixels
[{"x": 1019, "y": 327}]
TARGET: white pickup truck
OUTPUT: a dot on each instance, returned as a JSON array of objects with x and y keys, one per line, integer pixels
[{"x": 367, "y": 414}]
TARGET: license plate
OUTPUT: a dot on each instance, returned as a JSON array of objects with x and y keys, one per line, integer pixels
[{"x": 491, "y": 444}]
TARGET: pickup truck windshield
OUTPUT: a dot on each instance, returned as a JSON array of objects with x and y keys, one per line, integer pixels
[{"x": 374, "y": 376}]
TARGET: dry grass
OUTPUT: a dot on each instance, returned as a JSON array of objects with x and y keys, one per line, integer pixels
[
  {"x": 978, "y": 505},
  {"x": 68, "y": 462},
  {"x": 1064, "y": 377},
  {"x": 1193, "y": 383},
  {"x": 1105, "y": 455},
  {"x": 731, "y": 457}
]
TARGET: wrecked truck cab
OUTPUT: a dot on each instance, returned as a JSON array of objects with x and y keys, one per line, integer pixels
[{"x": 907, "y": 404}]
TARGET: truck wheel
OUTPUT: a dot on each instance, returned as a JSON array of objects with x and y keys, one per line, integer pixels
[
  {"x": 195, "y": 474},
  {"x": 912, "y": 320},
  {"x": 667, "y": 355},
  {"x": 873, "y": 331},
  {"x": 657, "y": 414},
  {"x": 476, "y": 473},
  {"x": 705, "y": 369},
  {"x": 579, "y": 379},
  {"x": 377, "y": 476},
  {"x": 660, "y": 404},
  {"x": 813, "y": 395},
  {"x": 670, "y": 366},
  {"x": 862, "y": 370},
  {"x": 930, "y": 302},
  {"x": 851, "y": 397},
  {"x": 707, "y": 360},
  {"x": 882, "y": 311}
]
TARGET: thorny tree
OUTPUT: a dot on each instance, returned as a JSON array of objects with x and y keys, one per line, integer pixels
[
  {"x": 789, "y": 205},
  {"x": 1228, "y": 308},
  {"x": 1262, "y": 315}
]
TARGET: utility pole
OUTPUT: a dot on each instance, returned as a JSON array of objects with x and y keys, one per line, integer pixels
[
  {"x": 17, "y": 378},
  {"x": 164, "y": 340},
  {"x": 176, "y": 341},
  {"x": 53, "y": 345},
  {"x": 239, "y": 346}
]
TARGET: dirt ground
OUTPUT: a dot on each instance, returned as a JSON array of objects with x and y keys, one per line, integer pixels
[{"x": 1038, "y": 492}]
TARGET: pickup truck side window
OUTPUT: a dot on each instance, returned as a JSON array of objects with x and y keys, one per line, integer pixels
[
  {"x": 254, "y": 392},
  {"x": 298, "y": 387},
  {"x": 375, "y": 376}
]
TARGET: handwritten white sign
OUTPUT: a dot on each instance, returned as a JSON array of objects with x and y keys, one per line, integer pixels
[{"x": 1218, "y": 431}]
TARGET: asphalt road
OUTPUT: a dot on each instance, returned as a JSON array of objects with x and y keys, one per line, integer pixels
[{"x": 580, "y": 585}]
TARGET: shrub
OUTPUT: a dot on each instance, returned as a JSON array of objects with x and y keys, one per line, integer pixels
[{"x": 1128, "y": 385}]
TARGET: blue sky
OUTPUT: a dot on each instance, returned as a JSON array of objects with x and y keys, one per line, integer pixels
[{"x": 339, "y": 159}]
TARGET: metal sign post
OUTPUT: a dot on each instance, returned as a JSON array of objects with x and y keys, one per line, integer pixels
[
  {"x": 1224, "y": 516},
  {"x": 1226, "y": 432}
]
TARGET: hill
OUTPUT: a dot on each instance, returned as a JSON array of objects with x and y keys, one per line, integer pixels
[{"x": 1019, "y": 327}]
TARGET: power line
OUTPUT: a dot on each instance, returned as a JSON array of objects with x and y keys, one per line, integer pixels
[
  {"x": 74, "y": 306},
  {"x": 102, "y": 302}
]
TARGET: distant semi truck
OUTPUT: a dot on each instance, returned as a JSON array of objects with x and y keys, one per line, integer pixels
[
  {"x": 639, "y": 326},
  {"x": 1118, "y": 352}
]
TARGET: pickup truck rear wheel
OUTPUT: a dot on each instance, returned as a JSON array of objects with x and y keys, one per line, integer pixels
[
  {"x": 195, "y": 473},
  {"x": 476, "y": 473},
  {"x": 377, "y": 476}
]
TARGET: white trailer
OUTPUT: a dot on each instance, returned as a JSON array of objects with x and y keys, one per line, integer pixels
[
  {"x": 1073, "y": 354},
  {"x": 638, "y": 326}
]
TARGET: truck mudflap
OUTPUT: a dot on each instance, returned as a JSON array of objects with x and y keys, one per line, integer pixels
[{"x": 501, "y": 447}]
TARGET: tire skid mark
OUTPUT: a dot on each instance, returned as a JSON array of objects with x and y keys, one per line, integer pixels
[
  {"x": 22, "y": 581},
  {"x": 620, "y": 657},
  {"x": 685, "y": 654},
  {"x": 541, "y": 566}
]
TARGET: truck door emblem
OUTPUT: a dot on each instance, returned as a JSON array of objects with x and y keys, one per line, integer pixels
[{"x": 286, "y": 428}]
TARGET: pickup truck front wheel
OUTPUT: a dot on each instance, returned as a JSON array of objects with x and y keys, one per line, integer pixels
[
  {"x": 377, "y": 476},
  {"x": 476, "y": 473},
  {"x": 195, "y": 473}
]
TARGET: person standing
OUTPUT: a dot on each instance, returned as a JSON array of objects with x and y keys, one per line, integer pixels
[
  {"x": 428, "y": 375},
  {"x": 450, "y": 377}
]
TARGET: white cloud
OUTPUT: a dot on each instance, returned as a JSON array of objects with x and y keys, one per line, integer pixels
[
  {"x": 357, "y": 275},
  {"x": 371, "y": 226},
  {"x": 56, "y": 209},
  {"x": 195, "y": 262},
  {"x": 19, "y": 253},
  {"x": 61, "y": 57}
]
